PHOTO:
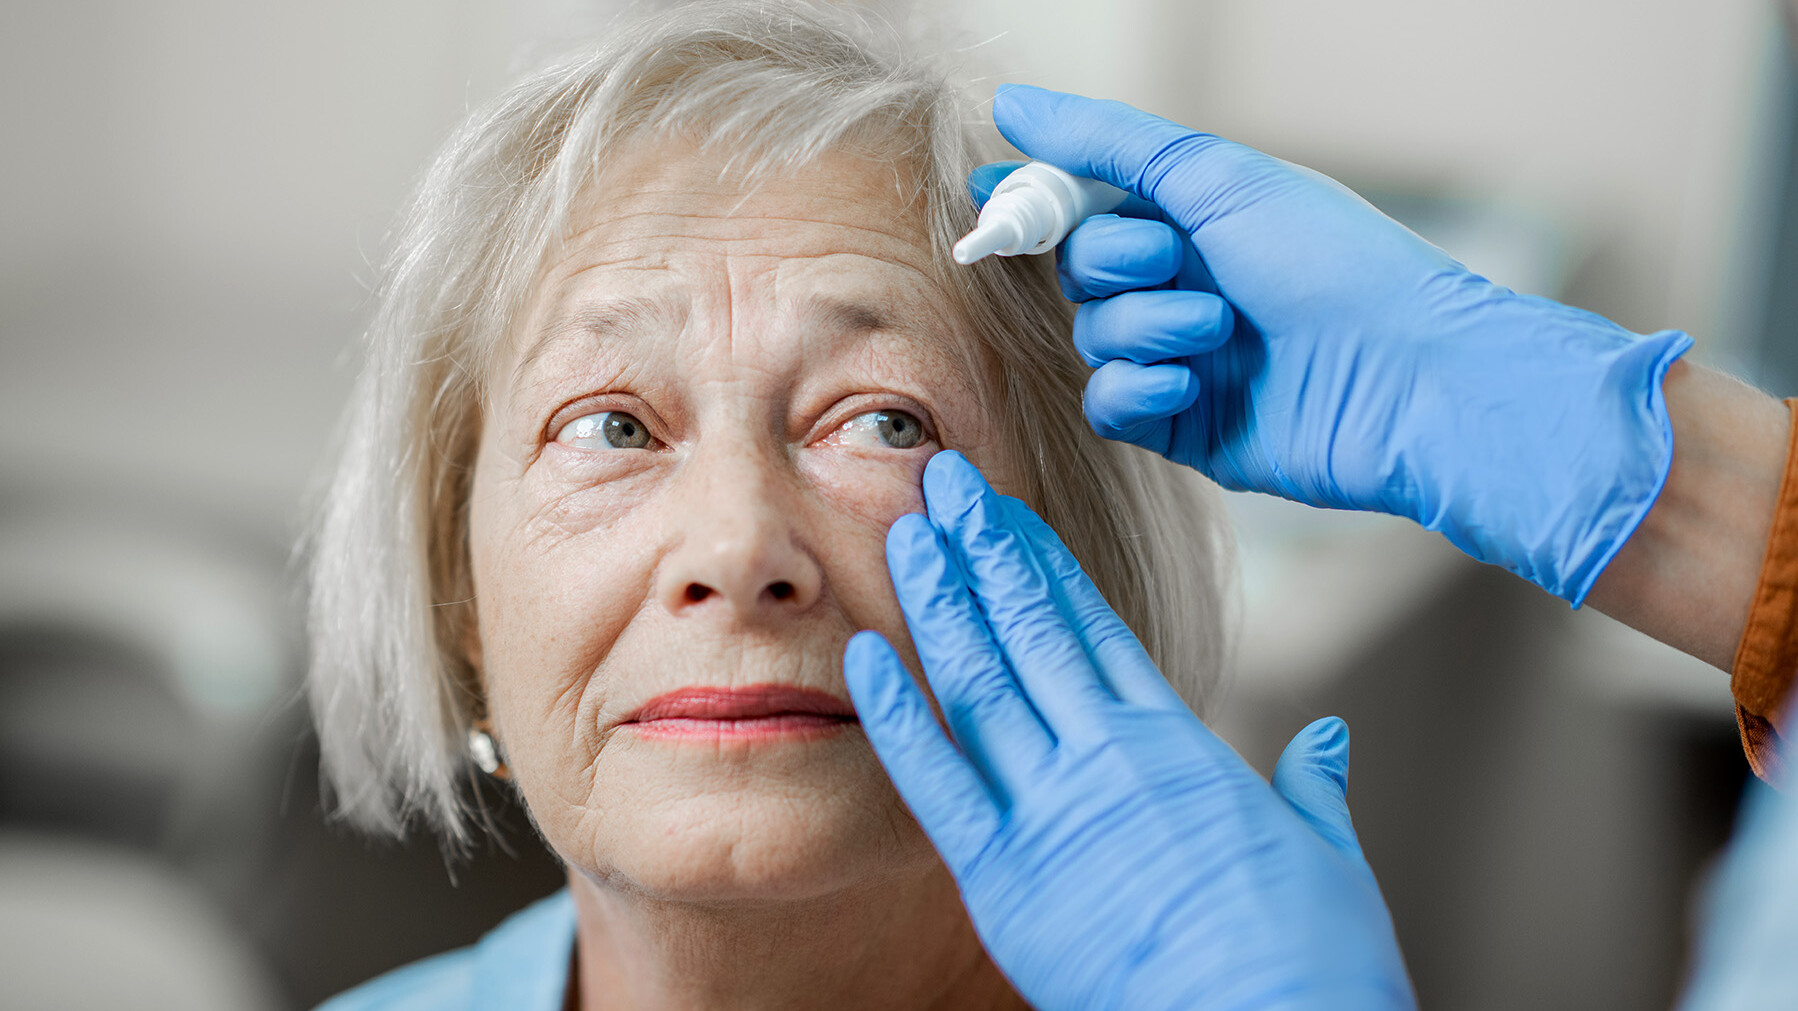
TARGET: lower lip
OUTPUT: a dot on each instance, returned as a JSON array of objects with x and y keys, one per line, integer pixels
[{"x": 783, "y": 725}]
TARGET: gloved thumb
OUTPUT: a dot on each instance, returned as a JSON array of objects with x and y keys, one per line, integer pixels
[
  {"x": 1312, "y": 775},
  {"x": 986, "y": 178}
]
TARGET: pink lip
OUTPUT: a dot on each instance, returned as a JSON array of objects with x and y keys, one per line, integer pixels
[{"x": 766, "y": 710}]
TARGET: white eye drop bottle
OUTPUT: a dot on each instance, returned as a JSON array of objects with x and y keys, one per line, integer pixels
[{"x": 1032, "y": 210}]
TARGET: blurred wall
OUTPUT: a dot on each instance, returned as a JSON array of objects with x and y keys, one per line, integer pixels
[{"x": 191, "y": 199}]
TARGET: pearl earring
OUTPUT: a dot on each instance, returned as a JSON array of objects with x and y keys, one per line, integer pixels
[{"x": 485, "y": 752}]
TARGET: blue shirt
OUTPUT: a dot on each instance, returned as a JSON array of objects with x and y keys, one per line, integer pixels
[
  {"x": 520, "y": 965},
  {"x": 1748, "y": 953}
]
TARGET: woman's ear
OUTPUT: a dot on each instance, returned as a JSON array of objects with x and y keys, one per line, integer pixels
[
  {"x": 473, "y": 673},
  {"x": 469, "y": 641},
  {"x": 483, "y": 745},
  {"x": 465, "y": 629}
]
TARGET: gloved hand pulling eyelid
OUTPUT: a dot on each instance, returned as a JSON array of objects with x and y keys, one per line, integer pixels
[
  {"x": 1112, "y": 851},
  {"x": 1264, "y": 325}
]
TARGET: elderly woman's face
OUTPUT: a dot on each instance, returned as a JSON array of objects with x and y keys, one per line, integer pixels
[{"x": 718, "y": 401}]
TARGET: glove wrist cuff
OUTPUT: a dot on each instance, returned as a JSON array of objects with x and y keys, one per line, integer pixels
[
  {"x": 1562, "y": 445},
  {"x": 1613, "y": 527}
]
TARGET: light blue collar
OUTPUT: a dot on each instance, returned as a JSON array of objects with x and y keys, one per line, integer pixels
[{"x": 523, "y": 963}]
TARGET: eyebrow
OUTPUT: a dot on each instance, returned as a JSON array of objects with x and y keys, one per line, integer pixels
[
  {"x": 615, "y": 317},
  {"x": 847, "y": 316},
  {"x": 621, "y": 317}
]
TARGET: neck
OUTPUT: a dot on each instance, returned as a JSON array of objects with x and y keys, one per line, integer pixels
[{"x": 895, "y": 944}]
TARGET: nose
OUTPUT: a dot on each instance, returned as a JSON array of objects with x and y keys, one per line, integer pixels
[{"x": 738, "y": 546}]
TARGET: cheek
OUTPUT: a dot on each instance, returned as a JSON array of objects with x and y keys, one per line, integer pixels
[
  {"x": 557, "y": 575},
  {"x": 867, "y": 489},
  {"x": 863, "y": 495}
]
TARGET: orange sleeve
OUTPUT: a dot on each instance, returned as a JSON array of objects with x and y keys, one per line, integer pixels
[{"x": 1767, "y": 656}]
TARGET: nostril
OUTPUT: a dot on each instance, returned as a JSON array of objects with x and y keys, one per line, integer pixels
[
  {"x": 697, "y": 592},
  {"x": 781, "y": 589}
]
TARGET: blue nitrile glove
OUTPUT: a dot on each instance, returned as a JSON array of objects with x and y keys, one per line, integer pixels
[
  {"x": 1361, "y": 368},
  {"x": 1112, "y": 851}
]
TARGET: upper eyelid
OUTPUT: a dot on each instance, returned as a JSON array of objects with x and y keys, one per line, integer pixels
[{"x": 573, "y": 410}]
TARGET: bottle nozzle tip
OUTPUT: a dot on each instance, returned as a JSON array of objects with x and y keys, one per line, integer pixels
[{"x": 983, "y": 241}]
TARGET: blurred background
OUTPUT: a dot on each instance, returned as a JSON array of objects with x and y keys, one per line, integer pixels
[{"x": 195, "y": 194}]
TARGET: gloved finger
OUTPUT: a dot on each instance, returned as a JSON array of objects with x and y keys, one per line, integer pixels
[
  {"x": 1123, "y": 665},
  {"x": 1312, "y": 774},
  {"x": 1134, "y": 403},
  {"x": 1045, "y": 655},
  {"x": 984, "y": 705},
  {"x": 1107, "y": 254},
  {"x": 1146, "y": 327},
  {"x": 984, "y": 178},
  {"x": 1136, "y": 207},
  {"x": 944, "y": 792},
  {"x": 1180, "y": 170}
]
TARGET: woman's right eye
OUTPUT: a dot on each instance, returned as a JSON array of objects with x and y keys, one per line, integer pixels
[{"x": 606, "y": 430}]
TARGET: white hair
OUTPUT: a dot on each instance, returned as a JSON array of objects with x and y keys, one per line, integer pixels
[{"x": 770, "y": 84}]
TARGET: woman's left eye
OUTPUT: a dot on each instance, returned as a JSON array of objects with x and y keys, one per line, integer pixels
[
  {"x": 606, "y": 430},
  {"x": 890, "y": 429}
]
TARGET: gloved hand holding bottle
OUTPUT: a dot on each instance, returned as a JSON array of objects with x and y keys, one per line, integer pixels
[
  {"x": 1111, "y": 850},
  {"x": 1261, "y": 323}
]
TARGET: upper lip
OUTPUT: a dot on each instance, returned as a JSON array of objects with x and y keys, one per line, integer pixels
[{"x": 740, "y": 703}]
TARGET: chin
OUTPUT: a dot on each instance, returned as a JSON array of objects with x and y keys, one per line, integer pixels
[{"x": 747, "y": 832}]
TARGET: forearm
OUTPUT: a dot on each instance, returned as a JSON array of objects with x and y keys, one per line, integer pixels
[{"x": 1687, "y": 576}]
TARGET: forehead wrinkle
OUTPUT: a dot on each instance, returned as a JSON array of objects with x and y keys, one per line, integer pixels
[
  {"x": 612, "y": 218},
  {"x": 617, "y": 230}
]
